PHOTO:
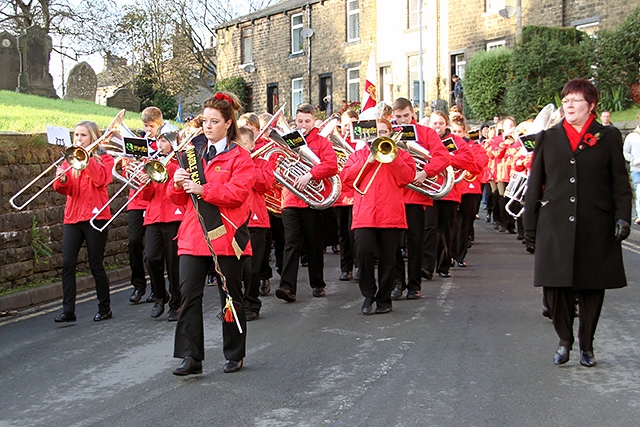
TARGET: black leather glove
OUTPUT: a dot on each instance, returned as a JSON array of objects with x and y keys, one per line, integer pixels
[
  {"x": 530, "y": 242},
  {"x": 623, "y": 229}
]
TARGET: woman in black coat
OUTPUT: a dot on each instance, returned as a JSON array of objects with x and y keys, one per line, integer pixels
[{"x": 577, "y": 212}]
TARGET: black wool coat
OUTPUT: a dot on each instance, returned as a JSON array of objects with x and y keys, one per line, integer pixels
[{"x": 572, "y": 203}]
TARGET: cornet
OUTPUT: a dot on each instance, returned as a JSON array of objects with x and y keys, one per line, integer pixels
[{"x": 76, "y": 157}]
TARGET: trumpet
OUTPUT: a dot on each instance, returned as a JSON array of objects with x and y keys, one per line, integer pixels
[
  {"x": 76, "y": 157},
  {"x": 437, "y": 186},
  {"x": 383, "y": 150},
  {"x": 294, "y": 163},
  {"x": 155, "y": 169}
]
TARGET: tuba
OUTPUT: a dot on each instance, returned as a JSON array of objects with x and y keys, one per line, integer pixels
[
  {"x": 435, "y": 187},
  {"x": 76, "y": 158},
  {"x": 295, "y": 162}
]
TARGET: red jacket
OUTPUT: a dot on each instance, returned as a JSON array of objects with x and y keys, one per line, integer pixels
[
  {"x": 461, "y": 159},
  {"x": 160, "y": 208},
  {"x": 264, "y": 182},
  {"x": 383, "y": 204},
  {"x": 327, "y": 168},
  {"x": 440, "y": 159},
  {"x": 87, "y": 193},
  {"x": 471, "y": 182},
  {"x": 230, "y": 177}
]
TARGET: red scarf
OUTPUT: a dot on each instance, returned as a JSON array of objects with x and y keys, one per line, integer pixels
[{"x": 574, "y": 137}]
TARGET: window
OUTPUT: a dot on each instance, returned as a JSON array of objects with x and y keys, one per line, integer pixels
[
  {"x": 296, "y": 94},
  {"x": 353, "y": 20},
  {"x": 247, "y": 45},
  {"x": 413, "y": 14},
  {"x": 493, "y": 6},
  {"x": 353, "y": 84},
  {"x": 496, "y": 44},
  {"x": 414, "y": 79},
  {"x": 296, "y": 33}
]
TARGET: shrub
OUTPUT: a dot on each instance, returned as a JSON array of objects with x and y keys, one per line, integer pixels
[
  {"x": 235, "y": 85},
  {"x": 485, "y": 83}
]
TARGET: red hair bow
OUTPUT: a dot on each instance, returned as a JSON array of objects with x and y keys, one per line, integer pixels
[{"x": 223, "y": 97}]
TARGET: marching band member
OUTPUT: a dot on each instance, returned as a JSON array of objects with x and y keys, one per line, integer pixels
[
  {"x": 302, "y": 224},
  {"x": 222, "y": 202},
  {"x": 258, "y": 226},
  {"x": 162, "y": 219},
  {"x": 378, "y": 219},
  {"x": 151, "y": 120},
  {"x": 502, "y": 147},
  {"x": 415, "y": 203},
  {"x": 86, "y": 191},
  {"x": 470, "y": 189}
]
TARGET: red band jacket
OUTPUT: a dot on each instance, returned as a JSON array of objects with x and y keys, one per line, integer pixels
[{"x": 160, "y": 208}]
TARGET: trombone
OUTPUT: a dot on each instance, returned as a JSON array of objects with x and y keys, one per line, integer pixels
[
  {"x": 77, "y": 158},
  {"x": 155, "y": 169},
  {"x": 383, "y": 150}
]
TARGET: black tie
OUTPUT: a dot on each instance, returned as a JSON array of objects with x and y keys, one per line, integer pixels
[{"x": 211, "y": 153}]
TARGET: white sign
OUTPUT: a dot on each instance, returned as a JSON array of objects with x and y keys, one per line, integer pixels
[{"x": 58, "y": 136}]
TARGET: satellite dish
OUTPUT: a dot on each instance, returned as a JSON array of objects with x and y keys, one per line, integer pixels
[
  {"x": 306, "y": 33},
  {"x": 249, "y": 68}
]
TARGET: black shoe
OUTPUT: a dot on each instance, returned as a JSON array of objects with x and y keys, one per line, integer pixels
[
  {"x": 511, "y": 230},
  {"x": 152, "y": 297},
  {"x": 251, "y": 315},
  {"x": 366, "y": 306},
  {"x": 404, "y": 252},
  {"x": 426, "y": 274},
  {"x": 173, "y": 315},
  {"x": 495, "y": 225},
  {"x": 356, "y": 274},
  {"x": 398, "y": 288},
  {"x": 546, "y": 312},
  {"x": 318, "y": 292},
  {"x": 520, "y": 236},
  {"x": 158, "y": 309},
  {"x": 383, "y": 309},
  {"x": 561, "y": 355},
  {"x": 232, "y": 366},
  {"x": 265, "y": 288},
  {"x": 414, "y": 295},
  {"x": 501, "y": 229},
  {"x": 462, "y": 264},
  {"x": 488, "y": 217},
  {"x": 100, "y": 317},
  {"x": 189, "y": 366},
  {"x": 346, "y": 276},
  {"x": 443, "y": 274},
  {"x": 285, "y": 294},
  {"x": 587, "y": 359},
  {"x": 136, "y": 295},
  {"x": 65, "y": 317}
]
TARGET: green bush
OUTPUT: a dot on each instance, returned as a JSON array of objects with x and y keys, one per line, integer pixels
[
  {"x": 235, "y": 85},
  {"x": 485, "y": 83},
  {"x": 546, "y": 60}
]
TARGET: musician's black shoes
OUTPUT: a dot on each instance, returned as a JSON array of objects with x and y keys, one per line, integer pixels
[
  {"x": 426, "y": 274},
  {"x": 136, "y": 296},
  {"x": 65, "y": 317},
  {"x": 587, "y": 359},
  {"x": 189, "y": 366},
  {"x": 346, "y": 276},
  {"x": 265, "y": 287},
  {"x": 561, "y": 355},
  {"x": 383, "y": 309},
  {"x": 319, "y": 292},
  {"x": 232, "y": 366},
  {"x": 252, "y": 315},
  {"x": 158, "y": 309},
  {"x": 100, "y": 317},
  {"x": 413, "y": 294},
  {"x": 285, "y": 294},
  {"x": 173, "y": 315},
  {"x": 152, "y": 297},
  {"x": 396, "y": 293},
  {"x": 366, "y": 306}
]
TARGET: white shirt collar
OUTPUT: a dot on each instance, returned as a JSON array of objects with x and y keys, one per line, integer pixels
[{"x": 220, "y": 145}]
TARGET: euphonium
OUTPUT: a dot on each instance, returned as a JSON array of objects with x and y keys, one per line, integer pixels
[
  {"x": 435, "y": 187},
  {"x": 294, "y": 163},
  {"x": 76, "y": 157}
]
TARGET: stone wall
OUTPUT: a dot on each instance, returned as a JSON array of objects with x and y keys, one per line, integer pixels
[{"x": 22, "y": 158}]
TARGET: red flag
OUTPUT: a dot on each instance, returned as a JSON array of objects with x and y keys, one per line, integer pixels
[{"x": 369, "y": 98}]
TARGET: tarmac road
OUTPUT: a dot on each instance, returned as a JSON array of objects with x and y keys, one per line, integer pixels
[{"x": 474, "y": 351}]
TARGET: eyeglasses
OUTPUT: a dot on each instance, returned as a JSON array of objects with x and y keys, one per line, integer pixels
[{"x": 571, "y": 101}]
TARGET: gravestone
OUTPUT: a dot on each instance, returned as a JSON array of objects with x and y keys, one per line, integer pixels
[
  {"x": 9, "y": 62},
  {"x": 82, "y": 83},
  {"x": 34, "y": 45},
  {"x": 124, "y": 98}
]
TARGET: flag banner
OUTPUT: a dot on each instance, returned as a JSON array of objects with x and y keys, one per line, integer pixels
[{"x": 369, "y": 99}]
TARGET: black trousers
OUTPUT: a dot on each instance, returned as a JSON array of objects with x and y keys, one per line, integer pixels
[
  {"x": 73, "y": 236},
  {"x": 561, "y": 303},
  {"x": 189, "y": 339},
  {"x": 345, "y": 238},
  {"x": 161, "y": 248},
  {"x": 383, "y": 244},
  {"x": 274, "y": 234},
  {"x": 466, "y": 216},
  {"x": 440, "y": 218},
  {"x": 251, "y": 271},
  {"x": 302, "y": 224},
  {"x": 135, "y": 233},
  {"x": 415, "y": 232}
]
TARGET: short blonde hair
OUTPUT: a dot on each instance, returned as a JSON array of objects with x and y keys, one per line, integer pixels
[{"x": 151, "y": 114}]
